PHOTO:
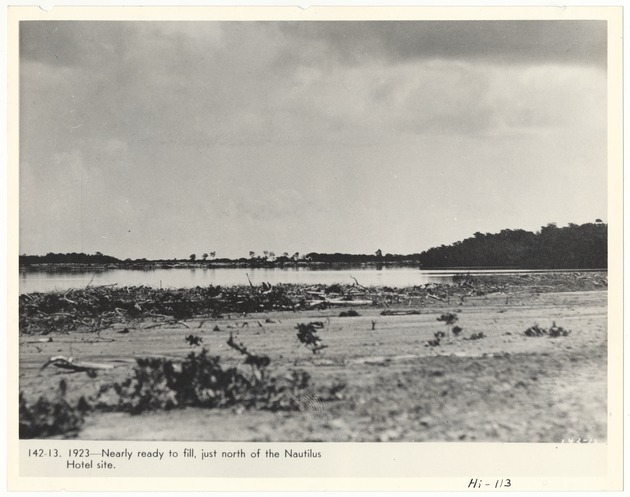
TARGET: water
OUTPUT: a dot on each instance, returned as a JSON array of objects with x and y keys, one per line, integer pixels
[
  {"x": 44, "y": 281},
  {"x": 40, "y": 281}
]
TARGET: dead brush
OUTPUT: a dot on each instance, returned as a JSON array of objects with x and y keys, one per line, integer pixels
[{"x": 95, "y": 308}]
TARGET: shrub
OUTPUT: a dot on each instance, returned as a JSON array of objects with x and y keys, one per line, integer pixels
[
  {"x": 477, "y": 336},
  {"x": 46, "y": 418},
  {"x": 449, "y": 319},
  {"x": 553, "y": 332},
  {"x": 201, "y": 381},
  {"x": 307, "y": 334}
]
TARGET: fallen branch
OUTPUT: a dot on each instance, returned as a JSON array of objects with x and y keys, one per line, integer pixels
[
  {"x": 76, "y": 366},
  {"x": 90, "y": 282},
  {"x": 388, "y": 312},
  {"x": 348, "y": 302},
  {"x": 358, "y": 284}
]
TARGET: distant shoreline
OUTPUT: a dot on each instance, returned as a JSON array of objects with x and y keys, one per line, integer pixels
[
  {"x": 151, "y": 265},
  {"x": 154, "y": 265}
]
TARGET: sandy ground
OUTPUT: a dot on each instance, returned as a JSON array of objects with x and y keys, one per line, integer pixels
[{"x": 505, "y": 387}]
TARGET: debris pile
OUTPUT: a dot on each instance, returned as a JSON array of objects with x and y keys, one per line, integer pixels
[
  {"x": 540, "y": 282},
  {"x": 100, "y": 307},
  {"x": 97, "y": 308}
]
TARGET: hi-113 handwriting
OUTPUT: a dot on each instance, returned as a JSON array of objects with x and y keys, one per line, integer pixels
[{"x": 478, "y": 483}]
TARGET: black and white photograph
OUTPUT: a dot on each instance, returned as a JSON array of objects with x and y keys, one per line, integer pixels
[{"x": 314, "y": 230}]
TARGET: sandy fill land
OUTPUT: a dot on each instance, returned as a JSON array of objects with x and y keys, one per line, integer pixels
[{"x": 389, "y": 384}]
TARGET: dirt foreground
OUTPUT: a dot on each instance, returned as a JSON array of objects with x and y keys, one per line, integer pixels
[{"x": 389, "y": 383}]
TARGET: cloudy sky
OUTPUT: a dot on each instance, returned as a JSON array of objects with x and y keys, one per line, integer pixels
[{"x": 160, "y": 139}]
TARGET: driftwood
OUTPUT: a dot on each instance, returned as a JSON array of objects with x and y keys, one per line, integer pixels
[
  {"x": 333, "y": 302},
  {"x": 41, "y": 340},
  {"x": 358, "y": 284},
  {"x": 348, "y": 302},
  {"x": 388, "y": 312},
  {"x": 77, "y": 366}
]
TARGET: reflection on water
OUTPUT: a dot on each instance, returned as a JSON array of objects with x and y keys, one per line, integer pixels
[{"x": 34, "y": 281}]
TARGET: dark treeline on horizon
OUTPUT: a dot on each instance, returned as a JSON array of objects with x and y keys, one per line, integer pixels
[
  {"x": 572, "y": 247},
  {"x": 71, "y": 258}
]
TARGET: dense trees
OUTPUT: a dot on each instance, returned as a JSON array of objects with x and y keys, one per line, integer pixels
[
  {"x": 72, "y": 258},
  {"x": 339, "y": 258},
  {"x": 571, "y": 247}
]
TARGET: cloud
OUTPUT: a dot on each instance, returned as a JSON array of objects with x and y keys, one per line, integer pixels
[
  {"x": 309, "y": 136},
  {"x": 512, "y": 42},
  {"x": 72, "y": 43}
]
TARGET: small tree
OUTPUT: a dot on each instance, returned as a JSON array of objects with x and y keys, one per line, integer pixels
[
  {"x": 204, "y": 256},
  {"x": 307, "y": 334},
  {"x": 252, "y": 254},
  {"x": 192, "y": 257},
  {"x": 213, "y": 254},
  {"x": 449, "y": 319}
]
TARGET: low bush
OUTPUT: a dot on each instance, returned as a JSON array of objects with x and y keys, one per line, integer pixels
[
  {"x": 201, "y": 381},
  {"x": 46, "y": 418},
  {"x": 477, "y": 336},
  {"x": 553, "y": 332},
  {"x": 307, "y": 335}
]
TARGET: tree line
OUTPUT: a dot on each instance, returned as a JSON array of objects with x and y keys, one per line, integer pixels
[
  {"x": 71, "y": 258},
  {"x": 572, "y": 247}
]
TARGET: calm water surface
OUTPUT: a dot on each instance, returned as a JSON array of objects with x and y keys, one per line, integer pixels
[{"x": 33, "y": 281}]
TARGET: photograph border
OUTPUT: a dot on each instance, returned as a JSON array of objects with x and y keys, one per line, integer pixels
[{"x": 550, "y": 466}]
